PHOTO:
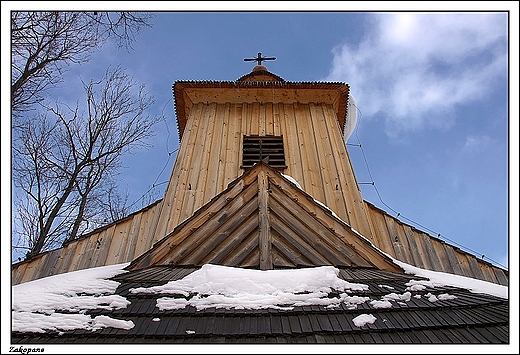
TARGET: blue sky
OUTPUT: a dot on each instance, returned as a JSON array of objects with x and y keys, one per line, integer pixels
[{"x": 431, "y": 88}]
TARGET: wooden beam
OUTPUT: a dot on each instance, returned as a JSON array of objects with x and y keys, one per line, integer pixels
[
  {"x": 264, "y": 242},
  {"x": 233, "y": 243}
]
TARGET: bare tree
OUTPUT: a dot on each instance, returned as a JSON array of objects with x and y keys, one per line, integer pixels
[
  {"x": 67, "y": 159},
  {"x": 43, "y": 43}
]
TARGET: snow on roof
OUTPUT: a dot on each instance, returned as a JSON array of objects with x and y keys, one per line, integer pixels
[
  {"x": 293, "y": 180},
  {"x": 445, "y": 279},
  {"x": 58, "y": 302},
  {"x": 229, "y": 287},
  {"x": 436, "y": 278}
]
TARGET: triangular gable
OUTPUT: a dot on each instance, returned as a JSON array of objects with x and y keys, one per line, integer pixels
[
  {"x": 262, "y": 220},
  {"x": 260, "y": 75}
]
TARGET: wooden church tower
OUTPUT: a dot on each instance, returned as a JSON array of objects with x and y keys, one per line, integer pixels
[
  {"x": 226, "y": 128},
  {"x": 262, "y": 180}
]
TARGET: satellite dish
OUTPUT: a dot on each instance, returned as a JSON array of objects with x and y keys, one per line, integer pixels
[{"x": 351, "y": 120}]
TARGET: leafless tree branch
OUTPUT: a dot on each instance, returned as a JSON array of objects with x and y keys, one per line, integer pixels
[
  {"x": 67, "y": 159},
  {"x": 44, "y": 43}
]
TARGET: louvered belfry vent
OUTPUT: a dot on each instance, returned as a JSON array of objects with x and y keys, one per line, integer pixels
[{"x": 266, "y": 148}]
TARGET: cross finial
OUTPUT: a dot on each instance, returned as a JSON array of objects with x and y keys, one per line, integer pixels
[{"x": 259, "y": 59}]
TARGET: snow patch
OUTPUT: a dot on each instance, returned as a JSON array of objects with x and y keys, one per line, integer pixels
[
  {"x": 363, "y": 319},
  {"x": 431, "y": 297},
  {"x": 440, "y": 279},
  {"x": 446, "y": 297},
  {"x": 441, "y": 297},
  {"x": 395, "y": 297},
  {"x": 58, "y": 303},
  {"x": 414, "y": 285},
  {"x": 293, "y": 180},
  {"x": 229, "y": 287},
  {"x": 381, "y": 304},
  {"x": 105, "y": 321}
]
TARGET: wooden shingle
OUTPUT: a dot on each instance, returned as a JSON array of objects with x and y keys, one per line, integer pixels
[{"x": 478, "y": 319}]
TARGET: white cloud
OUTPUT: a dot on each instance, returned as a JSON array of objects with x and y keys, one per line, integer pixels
[
  {"x": 477, "y": 144},
  {"x": 416, "y": 68}
]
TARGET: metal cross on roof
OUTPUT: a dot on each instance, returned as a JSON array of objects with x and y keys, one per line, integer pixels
[{"x": 259, "y": 59}]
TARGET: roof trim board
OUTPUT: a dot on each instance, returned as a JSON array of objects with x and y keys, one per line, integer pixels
[{"x": 188, "y": 93}]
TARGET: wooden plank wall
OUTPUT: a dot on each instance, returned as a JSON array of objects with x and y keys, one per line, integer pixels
[
  {"x": 211, "y": 152},
  {"x": 418, "y": 248},
  {"x": 117, "y": 243},
  {"x": 210, "y": 157}
]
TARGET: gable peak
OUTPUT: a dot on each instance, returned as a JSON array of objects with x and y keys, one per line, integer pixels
[{"x": 276, "y": 225}]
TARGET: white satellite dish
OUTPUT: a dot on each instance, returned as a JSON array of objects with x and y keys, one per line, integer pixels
[{"x": 351, "y": 120}]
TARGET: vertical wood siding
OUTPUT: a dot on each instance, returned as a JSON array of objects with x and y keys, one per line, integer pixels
[
  {"x": 417, "y": 248},
  {"x": 117, "y": 243},
  {"x": 209, "y": 158},
  {"x": 211, "y": 154}
]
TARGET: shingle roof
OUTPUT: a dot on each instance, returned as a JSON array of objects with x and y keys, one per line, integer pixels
[
  {"x": 413, "y": 315},
  {"x": 467, "y": 318}
]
